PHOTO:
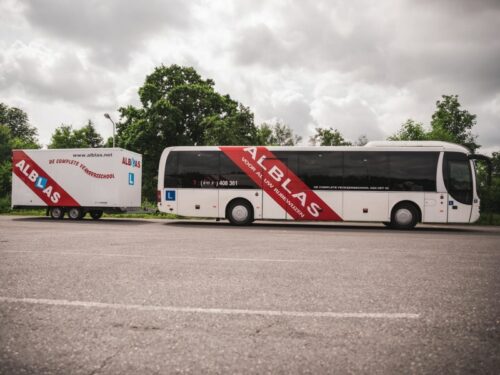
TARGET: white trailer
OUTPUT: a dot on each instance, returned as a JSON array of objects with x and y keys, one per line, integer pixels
[{"x": 77, "y": 181}]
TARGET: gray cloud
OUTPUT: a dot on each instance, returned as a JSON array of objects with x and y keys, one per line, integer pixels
[
  {"x": 389, "y": 46},
  {"x": 363, "y": 67},
  {"x": 111, "y": 30},
  {"x": 424, "y": 48},
  {"x": 46, "y": 75}
]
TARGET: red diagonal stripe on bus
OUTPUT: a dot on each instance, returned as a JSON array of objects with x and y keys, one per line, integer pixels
[
  {"x": 280, "y": 183},
  {"x": 28, "y": 171}
]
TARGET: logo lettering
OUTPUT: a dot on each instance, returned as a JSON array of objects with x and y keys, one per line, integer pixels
[
  {"x": 39, "y": 181},
  {"x": 290, "y": 192},
  {"x": 131, "y": 162}
]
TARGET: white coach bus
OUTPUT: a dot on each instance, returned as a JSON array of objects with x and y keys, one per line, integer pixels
[{"x": 397, "y": 183}]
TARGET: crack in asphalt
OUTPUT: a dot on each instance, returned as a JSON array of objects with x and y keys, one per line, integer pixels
[{"x": 105, "y": 362}]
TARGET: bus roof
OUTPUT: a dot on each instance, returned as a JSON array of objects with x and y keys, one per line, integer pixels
[
  {"x": 445, "y": 145},
  {"x": 370, "y": 146}
]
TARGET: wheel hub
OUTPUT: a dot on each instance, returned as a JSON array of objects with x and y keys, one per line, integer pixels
[
  {"x": 240, "y": 213},
  {"x": 404, "y": 216}
]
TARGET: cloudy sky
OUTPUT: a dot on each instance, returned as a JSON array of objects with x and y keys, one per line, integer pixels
[{"x": 363, "y": 67}]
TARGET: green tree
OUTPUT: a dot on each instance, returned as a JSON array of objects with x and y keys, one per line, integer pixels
[
  {"x": 449, "y": 120},
  {"x": 411, "y": 131},
  {"x": 449, "y": 123},
  {"x": 236, "y": 129},
  {"x": 15, "y": 133},
  {"x": 278, "y": 134},
  {"x": 490, "y": 195},
  {"x": 328, "y": 137},
  {"x": 17, "y": 121},
  {"x": 67, "y": 137},
  {"x": 179, "y": 107}
]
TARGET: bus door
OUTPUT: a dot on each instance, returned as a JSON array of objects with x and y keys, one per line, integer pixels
[
  {"x": 457, "y": 175},
  {"x": 199, "y": 173}
]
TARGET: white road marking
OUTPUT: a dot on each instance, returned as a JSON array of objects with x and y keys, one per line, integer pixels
[
  {"x": 199, "y": 310},
  {"x": 160, "y": 256}
]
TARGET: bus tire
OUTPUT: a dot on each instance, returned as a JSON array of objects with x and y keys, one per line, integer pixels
[
  {"x": 56, "y": 213},
  {"x": 95, "y": 214},
  {"x": 240, "y": 212},
  {"x": 75, "y": 213},
  {"x": 404, "y": 216}
]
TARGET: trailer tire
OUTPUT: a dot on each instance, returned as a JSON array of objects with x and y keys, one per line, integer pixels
[
  {"x": 95, "y": 214},
  {"x": 56, "y": 213},
  {"x": 75, "y": 213}
]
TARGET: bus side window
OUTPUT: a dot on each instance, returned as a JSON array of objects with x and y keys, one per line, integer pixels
[
  {"x": 198, "y": 169},
  {"x": 172, "y": 179},
  {"x": 413, "y": 171},
  {"x": 366, "y": 171},
  {"x": 232, "y": 177},
  {"x": 321, "y": 170}
]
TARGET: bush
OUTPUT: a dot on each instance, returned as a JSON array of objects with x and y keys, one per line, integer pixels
[{"x": 5, "y": 204}]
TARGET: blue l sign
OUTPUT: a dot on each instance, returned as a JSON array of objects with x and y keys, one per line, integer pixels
[
  {"x": 170, "y": 195},
  {"x": 131, "y": 178},
  {"x": 41, "y": 182}
]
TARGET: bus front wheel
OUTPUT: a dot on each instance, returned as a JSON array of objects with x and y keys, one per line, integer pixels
[
  {"x": 240, "y": 212},
  {"x": 404, "y": 216}
]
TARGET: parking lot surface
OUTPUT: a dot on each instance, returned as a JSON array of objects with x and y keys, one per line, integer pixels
[{"x": 150, "y": 296}]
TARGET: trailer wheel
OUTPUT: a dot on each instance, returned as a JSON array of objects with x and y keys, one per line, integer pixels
[
  {"x": 56, "y": 213},
  {"x": 95, "y": 214},
  {"x": 75, "y": 213}
]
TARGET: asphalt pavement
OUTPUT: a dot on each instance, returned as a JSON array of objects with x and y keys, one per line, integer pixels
[{"x": 120, "y": 296}]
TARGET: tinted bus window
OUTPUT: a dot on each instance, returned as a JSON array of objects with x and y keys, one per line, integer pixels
[
  {"x": 458, "y": 177},
  {"x": 413, "y": 171},
  {"x": 232, "y": 177},
  {"x": 321, "y": 170},
  {"x": 198, "y": 169},
  {"x": 172, "y": 179},
  {"x": 289, "y": 158},
  {"x": 366, "y": 171}
]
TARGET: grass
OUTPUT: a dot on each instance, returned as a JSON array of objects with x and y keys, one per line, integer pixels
[{"x": 128, "y": 215}]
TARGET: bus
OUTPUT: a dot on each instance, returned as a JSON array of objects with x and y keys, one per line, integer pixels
[{"x": 398, "y": 183}]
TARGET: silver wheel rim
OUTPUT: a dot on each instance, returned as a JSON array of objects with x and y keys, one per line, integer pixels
[
  {"x": 56, "y": 212},
  {"x": 404, "y": 216},
  {"x": 73, "y": 213},
  {"x": 240, "y": 213}
]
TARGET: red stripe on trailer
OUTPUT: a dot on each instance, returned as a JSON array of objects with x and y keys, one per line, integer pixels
[
  {"x": 40, "y": 183},
  {"x": 280, "y": 183}
]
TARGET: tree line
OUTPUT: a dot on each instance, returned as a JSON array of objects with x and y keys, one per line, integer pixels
[{"x": 179, "y": 107}]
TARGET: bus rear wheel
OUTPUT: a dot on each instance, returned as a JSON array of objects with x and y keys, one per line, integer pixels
[
  {"x": 404, "y": 216},
  {"x": 56, "y": 213},
  {"x": 240, "y": 212}
]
